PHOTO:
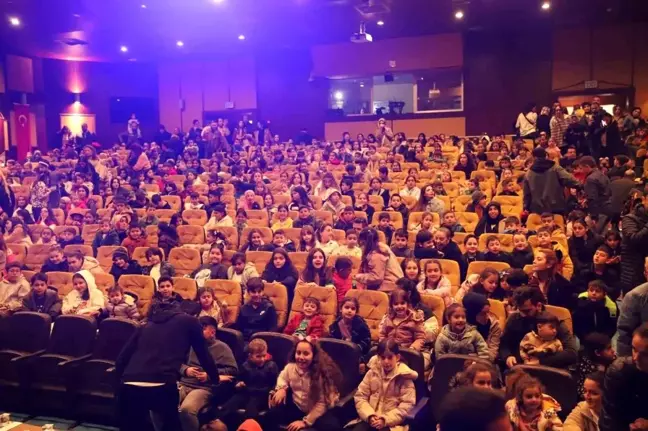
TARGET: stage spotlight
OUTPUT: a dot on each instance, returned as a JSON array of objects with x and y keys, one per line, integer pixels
[
  {"x": 459, "y": 14},
  {"x": 15, "y": 21},
  {"x": 123, "y": 48},
  {"x": 241, "y": 37},
  {"x": 180, "y": 43},
  {"x": 338, "y": 95},
  {"x": 546, "y": 5},
  {"x": 381, "y": 23},
  {"x": 143, "y": 6}
]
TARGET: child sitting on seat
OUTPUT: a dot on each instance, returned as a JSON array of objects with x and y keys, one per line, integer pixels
[
  {"x": 350, "y": 326},
  {"x": 342, "y": 280},
  {"x": 134, "y": 240},
  {"x": 399, "y": 244},
  {"x": 56, "y": 261},
  {"x": 120, "y": 305},
  {"x": 307, "y": 325},
  {"x": 595, "y": 311},
  {"x": 385, "y": 226},
  {"x": 522, "y": 254},
  {"x": 386, "y": 393},
  {"x": 450, "y": 221},
  {"x": 256, "y": 378},
  {"x": 426, "y": 223},
  {"x": 402, "y": 323},
  {"x": 283, "y": 219},
  {"x": 435, "y": 283},
  {"x": 351, "y": 248},
  {"x": 41, "y": 299},
  {"x": 476, "y": 374},
  {"x": 494, "y": 251},
  {"x": 472, "y": 254},
  {"x": 485, "y": 283},
  {"x": 13, "y": 289},
  {"x": 258, "y": 314},
  {"x": 564, "y": 261},
  {"x": 69, "y": 237},
  {"x": 596, "y": 355},
  {"x": 214, "y": 270},
  {"x": 84, "y": 299},
  {"x": 530, "y": 408},
  {"x": 194, "y": 202},
  {"x": 459, "y": 337},
  {"x": 543, "y": 341},
  {"x": 47, "y": 237},
  {"x": 210, "y": 305}
]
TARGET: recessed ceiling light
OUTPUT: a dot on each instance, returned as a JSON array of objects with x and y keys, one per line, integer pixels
[
  {"x": 459, "y": 14},
  {"x": 218, "y": 1},
  {"x": 15, "y": 21},
  {"x": 143, "y": 6},
  {"x": 381, "y": 23},
  {"x": 241, "y": 37},
  {"x": 123, "y": 48},
  {"x": 362, "y": 84},
  {"x": 180, "y": 43},
  {"x": 546, "y": 5}
]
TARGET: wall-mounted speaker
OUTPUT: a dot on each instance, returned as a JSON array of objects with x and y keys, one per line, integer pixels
[{"x": 389, "y": 77}]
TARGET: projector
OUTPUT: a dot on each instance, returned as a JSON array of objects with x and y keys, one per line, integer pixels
[{"x": 361, "y": 38}]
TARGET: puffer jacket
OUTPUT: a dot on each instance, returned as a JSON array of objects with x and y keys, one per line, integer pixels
[
  {"x": 625, "y": 395},
  {"x": 543, "y": 187},
  {"x": 91, "y": 264},
  {"x": 467, "y": 342},
  {"x": 126, "y": 309},
  {"x": 249, "y": 271},
  {"x": 382, "y": 270},
  {"x": 634, "y": 248},
  {"x": 389, "y": 396},
  {"x": 633, "y": 312},
  {"x": 581, "y": 419},
  {"x": 409, "y": 333}
]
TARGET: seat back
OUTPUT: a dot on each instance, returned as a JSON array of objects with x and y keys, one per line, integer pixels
[
  {"x": 191, "y": 234},
  {"x": 259, "y": 217},
  {"x": 445, "y": 368},
  {"x": 234, "y": 339},
  {"x": 477, "y": 267},
  {"x": 230, "y": 292},
  {"x": 278, "y": 294},
  {"x": 395, "y": 217},
  {"x": 26, "y": 331},
  {"x": 346, "y": 356},
  {"x": 260, "y": 259},
  {"x": 299, "y": 260},
  {"x": 104, "y": 256},
  {"x": 279, "y": 346},
  {"x": 88, "y": 233},
  {"x": 327, "y": 298},
  {"x": 62, "y": 281},
  {"x": 373, "y": 307},
  {"x": 141, "y": 285},
  {"x": 467, "y": 220},
  {"x": 174, "y": 201},
  {"x": 104, "y": 282},
  {"x": 558, "y": 383},
  {"x": 499, "y": 310},
  {"x": 195, "y": 217},
  {"x": 113, "y": 335},
  {"x": 152, "y": 235},
  {"x": 415, "y": 361},
  {"x": 185, "y": 287},
  {"x": 73, "y": 335},
  {"x": 86, "y": 250},
  {"x": 563, "y": 314},
  {"x": 184, "y": 260},
  {"x": 19, "y": 251},
  {"x": 231, "y": 234},
  {"x": 436, "y": 304},
  {"x": 37, "y": 254}
]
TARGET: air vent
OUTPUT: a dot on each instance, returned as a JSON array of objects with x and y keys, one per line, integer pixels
[{"x": 72, "y": 41}]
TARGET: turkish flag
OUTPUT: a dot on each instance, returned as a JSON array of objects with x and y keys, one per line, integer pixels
[{"x": 22, "y": 131}]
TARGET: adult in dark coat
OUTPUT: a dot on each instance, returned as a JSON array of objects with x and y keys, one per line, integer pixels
[
  {"x": 7, "y": 197},
  {"x": 634, "y": 246},
  {"x": 544, "y": 185},
  {"x": 597, "y": 191}
]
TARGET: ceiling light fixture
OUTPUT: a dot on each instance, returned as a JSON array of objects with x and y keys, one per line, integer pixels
[
  {"x": 362, "y": 84},
  {"x": 15, "y": 21},
  {"x": 180, "y": 43},
  {"x": 338, "y": 95},
  {"x": 459, "y": 14},
  {"x": 123, "y": 48},
  {"x": 381, "y": 23},
  {"x": 241, "y": 37},
  {"x": 546, "y": 5},
  {"x": 218, "y": 1},
  {"x": 143, "y": 6}
]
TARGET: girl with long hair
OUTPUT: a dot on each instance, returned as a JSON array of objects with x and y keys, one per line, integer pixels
[
  {"x": 316, "y": 272},
  {"x": 307, "y": 240},
  {"x": 379, "y": 268},
  {"x": 556, "y": 288},
  {"x": 299, "y": 198},
  {"x": 280, "y": 269}
]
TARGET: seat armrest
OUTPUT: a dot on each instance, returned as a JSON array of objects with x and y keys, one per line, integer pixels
[
  {"x": 416, "y": 410},
  {"x": 29, "y": 356},
  {"x": 111, "y": 370},
  {"x": 75, "y": 361},
  {"x": 343, "y": 401}
]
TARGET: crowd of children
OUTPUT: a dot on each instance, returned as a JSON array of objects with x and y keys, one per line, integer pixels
[{"x": 396, "y": 216}]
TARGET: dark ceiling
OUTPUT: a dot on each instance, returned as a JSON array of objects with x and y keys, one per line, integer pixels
[{"x": 208, "y": 28}]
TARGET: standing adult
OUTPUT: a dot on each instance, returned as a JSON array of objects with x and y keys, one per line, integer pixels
[
  {"x": 625, "y": 394},
  {"x": 149, "y": 367},
  {"x": 474, "y": 409},
  {"x": 384, "y": 134},
  {"x": 544, "y": 185},
  {"x": 527, "y": 121},
  {"x": 379, "y": 269},
  {"x": 558, "y": 126},
  {"x": 210, "y": 136},
  {"x": 597, "y": 192},
  {"x": 40, "y": 192},
  {"x": 632, "y": 313},
  {"x": 7, "y": 197},
  {"x": 634, "y": 246}
]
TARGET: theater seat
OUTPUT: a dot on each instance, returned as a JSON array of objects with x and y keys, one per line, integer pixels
[
  {"x": 327, "y": 298},
  {"x": 467, "y": 220},
  {"x": 165, "y": 215},
  {"x": 184, "y": 260},
  {"x": 279, "y": 346},
  {"x": 278, "y": 295},
  {"x": 104, "y": 282},
  {"x": 436, "y": 305},
  {"x": 505, "y": 239},
  {"x": 186, "y": 287},
  {"x": 373, "y": 307},
  {"x": 139, "y": 255},
  {"x": 228, "y": 291},
  {"x": 499, "y": 310},
  {"x": 231, "y": 234},
  {"x": 195, "y": 217},
  {"x": 563, "y": 314},
  {"x": 152, "y": 235},
  {"x": 395, "y": 217},
  {"x": 19, "y": 251},
  {"x": 259, "y": 218},
  {"x": 62, "y": 281},
  {"x": 477, "y": 267},
  {"x": 347, "y": 356},
  {"x": 260, "y": 259},
  {"x": 141, "y": 285},
  {"x": 299, "y": 260},
  {"x": 234, "y": 340},
  {"x": 86, "y": 250},
  {"x": 174, "y": 201},
  {"x": 558, "y": 383},
  {"x": 191, "y": 234},
  {"x": 88, "y": 233},
  {"x": 36, "y": 256}
]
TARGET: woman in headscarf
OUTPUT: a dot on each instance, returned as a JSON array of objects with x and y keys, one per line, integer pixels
[
  {"x": 85, "y": 298},
  {"x": 487, "y": 324},
  {"x": 491, "y": 220}
]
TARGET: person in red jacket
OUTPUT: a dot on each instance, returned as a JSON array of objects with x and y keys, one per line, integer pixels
[{"x": 307, "y": 325}]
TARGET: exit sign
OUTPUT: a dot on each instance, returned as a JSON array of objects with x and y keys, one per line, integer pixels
[{"x": 591, "y": 84}]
